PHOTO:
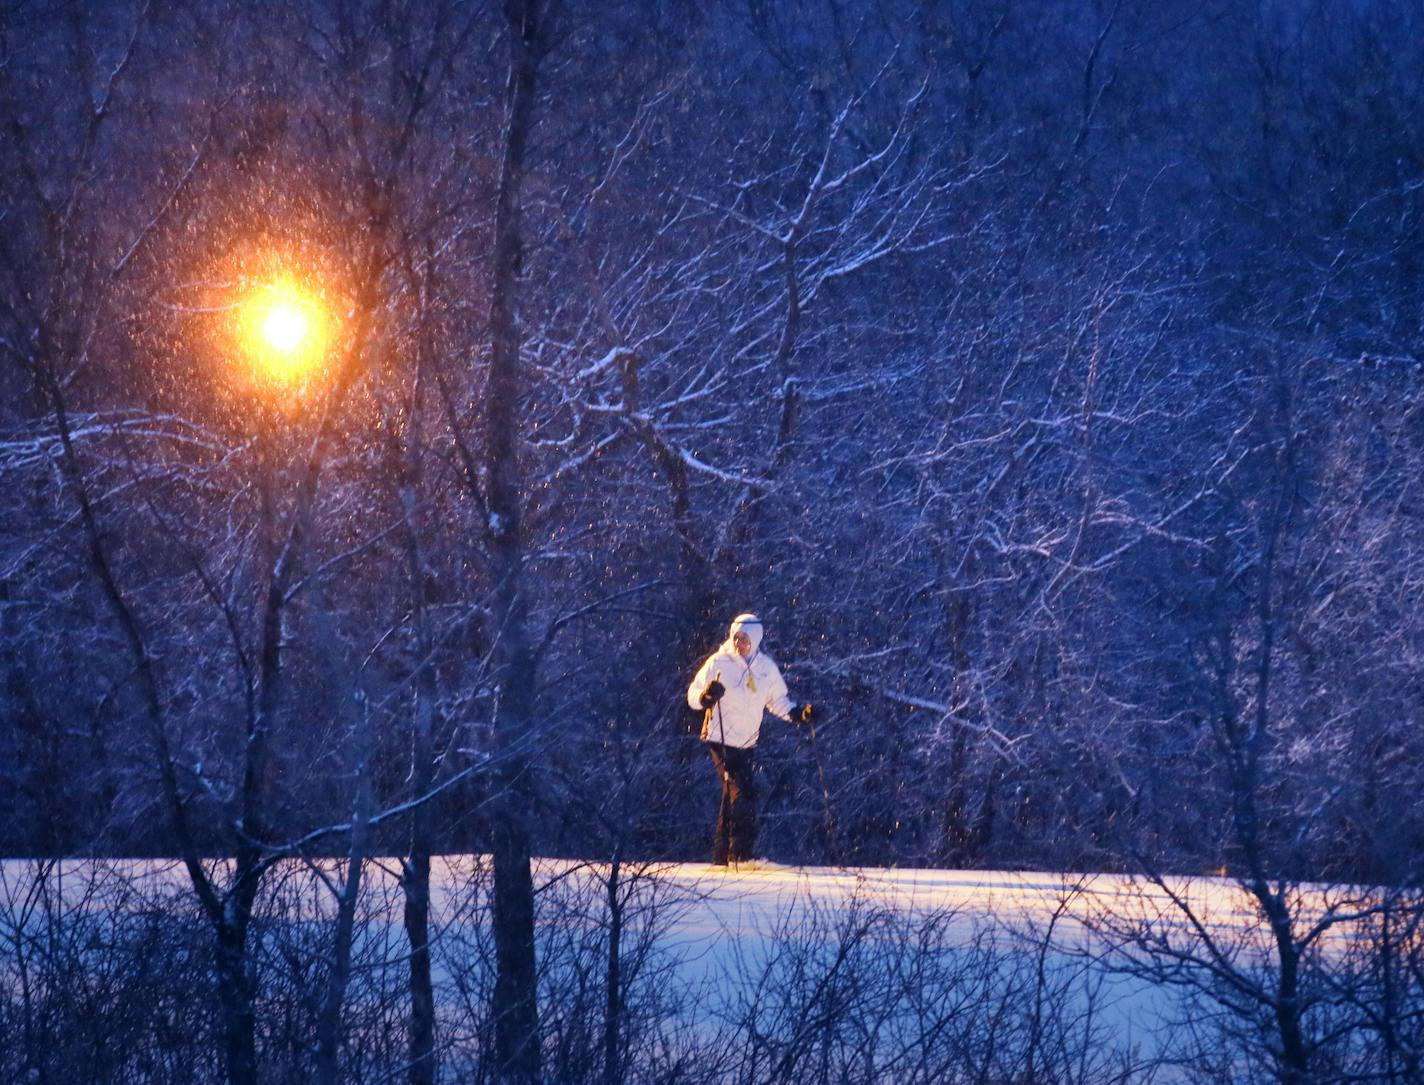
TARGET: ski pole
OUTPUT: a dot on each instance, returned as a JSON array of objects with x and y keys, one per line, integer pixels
[{"x": 722, "y": 826}]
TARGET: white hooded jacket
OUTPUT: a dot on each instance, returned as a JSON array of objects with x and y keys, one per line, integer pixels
[{"x": 753, "y": 685}]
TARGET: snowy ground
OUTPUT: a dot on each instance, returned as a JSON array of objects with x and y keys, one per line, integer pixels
[
  {"x": 729, "y": 938},
  {"x": 737, "y": 915}
]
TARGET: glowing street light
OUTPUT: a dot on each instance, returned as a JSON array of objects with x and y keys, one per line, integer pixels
[
  {"x": 284, "y": 331},
  {"x": 285, "y": 327}
]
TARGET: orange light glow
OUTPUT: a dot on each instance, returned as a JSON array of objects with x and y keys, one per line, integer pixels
[
  {"x": 284, "y": 331},
  {"x": 286, "y": 327}
]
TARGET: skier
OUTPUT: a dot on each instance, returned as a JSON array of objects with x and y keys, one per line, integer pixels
[{"x": 736, "y": 684}]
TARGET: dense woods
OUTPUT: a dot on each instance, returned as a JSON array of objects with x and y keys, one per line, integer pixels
[{"x": 1047, "y": 376}]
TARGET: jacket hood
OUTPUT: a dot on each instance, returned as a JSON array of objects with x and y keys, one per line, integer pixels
[{"x": 749, "y": 624}]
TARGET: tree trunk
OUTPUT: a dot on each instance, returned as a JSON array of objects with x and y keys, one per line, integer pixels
[
  {"x": 235, "y": 983},
  {"x": 416, "y": 886},
  {"x": 613, "y": 989},
  {"x": 958, "y": 845},
  {"x": 515, "y": 1009},
  {"x": 415, "y": 879},
  {"x": 328, "y": 1061}
]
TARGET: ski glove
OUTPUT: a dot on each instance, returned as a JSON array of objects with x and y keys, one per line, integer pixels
[
  {"x": 712, "y": 694},
  {"x": 803, "y": 714}
]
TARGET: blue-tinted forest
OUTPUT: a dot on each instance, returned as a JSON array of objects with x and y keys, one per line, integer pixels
[{"x": 1047, "y": 376}]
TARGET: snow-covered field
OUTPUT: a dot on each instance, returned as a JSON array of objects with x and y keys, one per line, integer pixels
[
  {"x": 737, "y": 917},
  {"x": 1037, "y": 969}
]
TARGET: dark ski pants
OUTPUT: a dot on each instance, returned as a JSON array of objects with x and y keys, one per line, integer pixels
[{"x": 737, "y": 812}]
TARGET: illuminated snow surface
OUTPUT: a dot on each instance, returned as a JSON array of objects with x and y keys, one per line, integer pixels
[{"x": 715, "y": 930}]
